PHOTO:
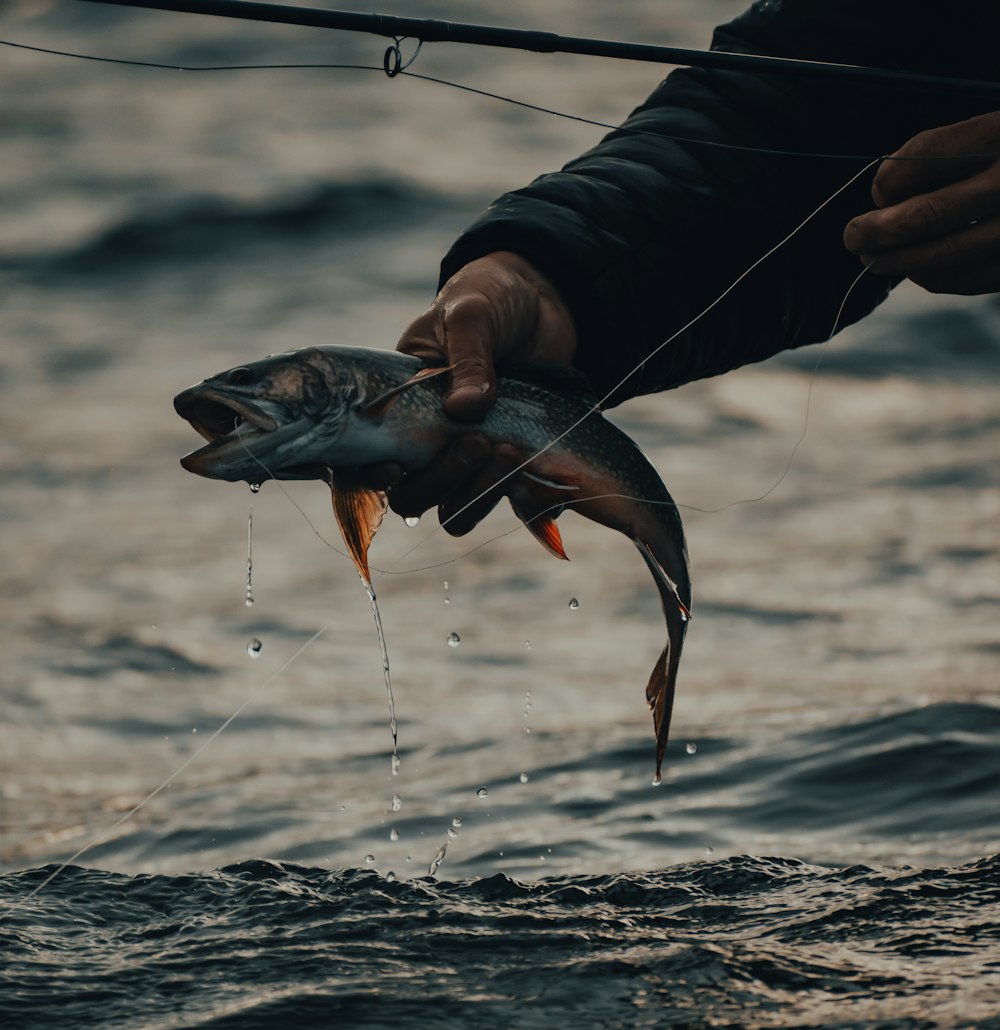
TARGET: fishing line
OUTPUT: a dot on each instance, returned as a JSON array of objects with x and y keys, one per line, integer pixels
[
  {"x": 394, "y": 70},
  {"x": 395, "y": 67},
  {"x": 688, "y": 507},
  {"x": 644, "y": 500},
  {"x": 423, "y": 568},
  {"x": 805, "y": 422},
  {"x": 105, "y": 834},
  {"x": 701, "y": 314},
  {"x": 190, "y": 67},
  {"x": 295, "y": 504}
]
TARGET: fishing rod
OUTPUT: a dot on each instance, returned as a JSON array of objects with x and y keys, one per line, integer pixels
[{"x": 430, "y": 30}]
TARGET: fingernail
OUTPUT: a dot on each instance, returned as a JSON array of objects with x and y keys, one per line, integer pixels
[{"x": 470, "y": 391}]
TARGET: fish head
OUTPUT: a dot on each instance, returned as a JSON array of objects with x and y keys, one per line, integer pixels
[{"x": 275, "y": 418}]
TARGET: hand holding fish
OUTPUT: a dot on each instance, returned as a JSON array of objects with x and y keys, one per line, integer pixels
[
  {"x": 938, "y": 221},
  {"x": 323, "y": 413},
  {"x": 498, "y": 309}
]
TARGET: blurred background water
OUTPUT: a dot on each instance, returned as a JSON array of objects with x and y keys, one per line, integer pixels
[{"x": 837, "y": 702}]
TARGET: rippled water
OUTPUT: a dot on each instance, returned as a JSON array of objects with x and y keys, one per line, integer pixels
[
  {"x": 747, "y": 941},
  {"x": 837, "y": 704}
]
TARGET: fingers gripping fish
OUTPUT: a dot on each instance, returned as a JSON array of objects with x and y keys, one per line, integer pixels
[{"x": 324, "y": 412}]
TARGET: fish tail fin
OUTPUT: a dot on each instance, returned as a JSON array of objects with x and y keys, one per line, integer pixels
[
  {"x": 660, "y": 693},
  {"x": 675, "y": 599}
]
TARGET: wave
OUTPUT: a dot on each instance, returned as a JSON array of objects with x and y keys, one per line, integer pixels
[
  {"x": 745, "y": 941},
  {"x": 198, "y": 227},
  {"x": 958, "y": 342},
  {"x": 917, "y": 773}
]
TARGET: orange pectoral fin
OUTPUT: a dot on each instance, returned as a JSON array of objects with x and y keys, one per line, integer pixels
[
  {"x": 359, "y": 510},
  {"x": 543, "y": 528},
  {"x": 377, "y": 408}
]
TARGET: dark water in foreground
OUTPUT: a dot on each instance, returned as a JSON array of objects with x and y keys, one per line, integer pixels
[{"x": 742, "y": 942}]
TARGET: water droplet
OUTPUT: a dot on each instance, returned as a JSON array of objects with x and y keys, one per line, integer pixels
[
  {"x": 446, "y": 584},
  {"x": 248, "y": 597},
  {"x": 395, "y": 764},
  {"x": 657, "y": 780},
  {"x": 390, "y": 877},
  {"x": 573, "y": 604},
  {"x": 343, "y": 808},
  {"x": 690, "y": 748},
  {"x": 527, "y": 644},
  {"x": 481, "y": 793},
  {"x": 412, "y": 521},
  {"x": 452, "y": 832},
  {"x": 397, "y": 802},
  {"x": 194, "y": 729},
  {"x": 253, "y": 648},
  {"x": 457, "y": 821},
  {"x": 369, "y": 859},
  {"x": 527, "y": 729},
  {"x": 709, "y": 850},
  {"x": 255, "y": 488},
  {"x": 541, "y": 858},
  {"x": 454, "y": 640},
  {"x": 438, "y": 859},
  {"x": 394, "y": 834},
  {"x": 447, "y": 600},
  {"x": 525, "y": 777}
]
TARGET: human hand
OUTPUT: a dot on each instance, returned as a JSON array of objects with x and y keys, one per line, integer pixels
[
  {"x": 938, "y": 217},
  {"x": 496, "y": 309}
]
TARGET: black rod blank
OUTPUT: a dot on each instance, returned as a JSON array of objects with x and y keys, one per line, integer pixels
[{"x": 431, "y": 30}]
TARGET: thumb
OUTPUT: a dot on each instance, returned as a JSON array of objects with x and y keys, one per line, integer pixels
[{"x": 468, "y": 329}]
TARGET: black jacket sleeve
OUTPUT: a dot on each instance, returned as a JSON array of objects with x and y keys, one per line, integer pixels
[{"x": 643, "y": 232}]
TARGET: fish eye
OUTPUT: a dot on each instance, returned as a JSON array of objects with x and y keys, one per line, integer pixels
[{"x": 241, "y": 377}]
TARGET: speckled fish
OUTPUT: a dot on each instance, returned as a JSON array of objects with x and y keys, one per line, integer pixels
[{"x": 324, "y": 412}]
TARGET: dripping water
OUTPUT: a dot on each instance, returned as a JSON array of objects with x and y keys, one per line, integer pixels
[
  {"x": 385, "y": 672},
  {"x": 437, "y": 859},
  {"x": 248, "y": 600}
]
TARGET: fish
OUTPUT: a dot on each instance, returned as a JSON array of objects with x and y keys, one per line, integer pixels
[{"x": 326, "y": 412}]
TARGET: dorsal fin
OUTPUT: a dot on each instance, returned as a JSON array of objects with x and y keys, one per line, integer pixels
[
  {"x": 359, "y": 510},
  {"x": 376, "y": 409}
]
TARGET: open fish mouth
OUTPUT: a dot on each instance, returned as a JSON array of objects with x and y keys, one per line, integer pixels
[
  {"x": 216, "y": 416},
  {"x": 232, "y": 425},
  {"x": 228, "y": 424}
]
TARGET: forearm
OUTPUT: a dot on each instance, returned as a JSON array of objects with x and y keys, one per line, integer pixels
[{"x": 641, "y": 234}]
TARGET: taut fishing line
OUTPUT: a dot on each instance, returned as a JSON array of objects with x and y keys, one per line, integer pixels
[
  {"x": 392, "y": 71},
  {"x": 105, "y": 834},
  {"x": 701, "y": 314},
  {"x": 805, "y": 420},
  {"x": 393, "y": 66},
  {"x": 526, "y": 105}
]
